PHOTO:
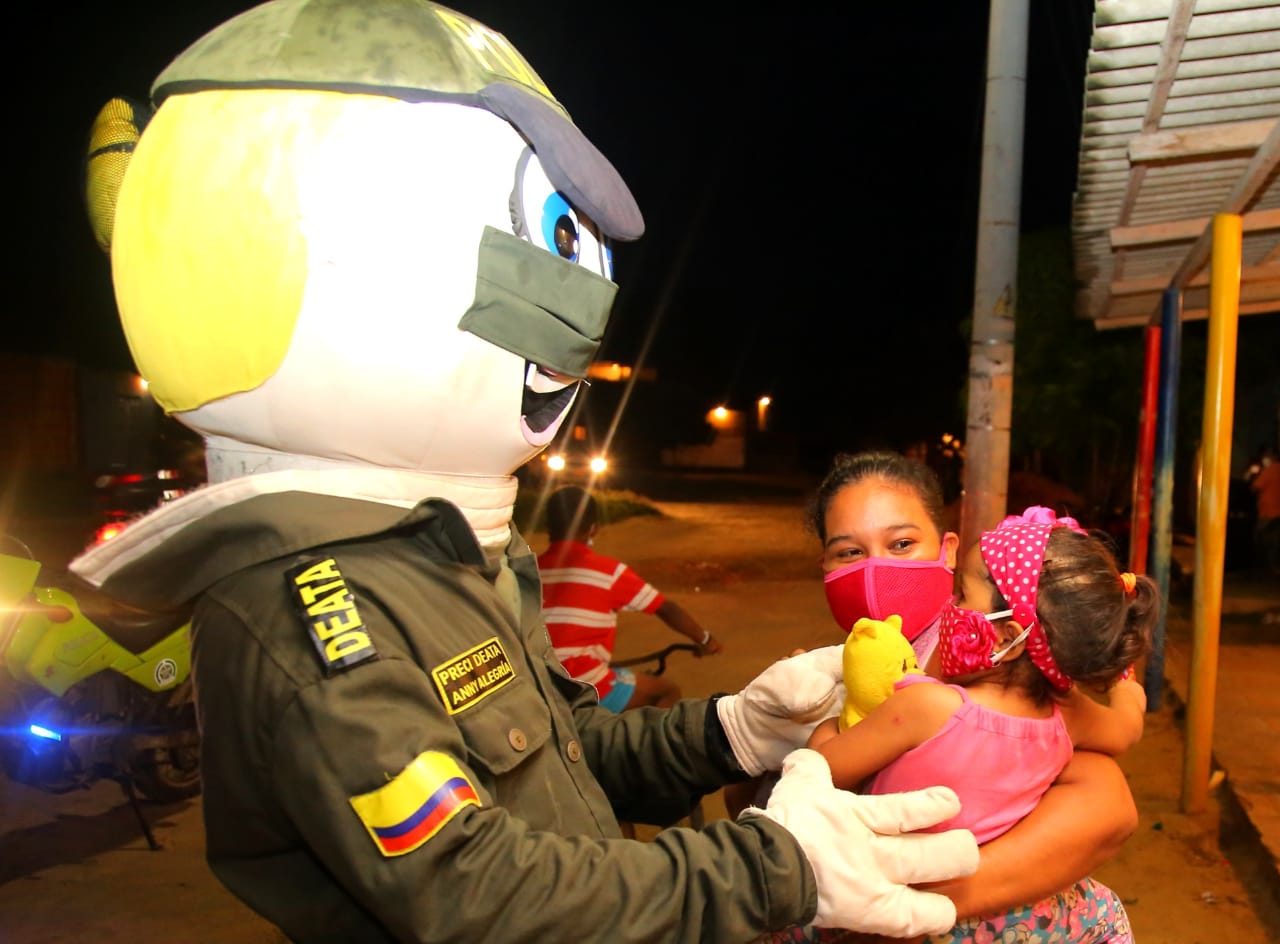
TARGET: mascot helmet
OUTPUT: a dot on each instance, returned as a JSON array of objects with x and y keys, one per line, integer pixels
[{"x": 361, "y": 232}]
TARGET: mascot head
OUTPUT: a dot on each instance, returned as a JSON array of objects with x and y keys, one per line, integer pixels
[{"x": 359, "y": 232}]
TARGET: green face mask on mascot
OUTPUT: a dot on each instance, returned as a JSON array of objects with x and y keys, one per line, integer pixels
[{"x": 548, "y": 310}]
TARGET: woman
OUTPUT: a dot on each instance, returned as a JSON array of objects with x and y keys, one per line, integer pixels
[{"x": 884, "y": 551}]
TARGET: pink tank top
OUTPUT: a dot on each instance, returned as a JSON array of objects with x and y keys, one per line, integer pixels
[{"x": 999, "y": 765}]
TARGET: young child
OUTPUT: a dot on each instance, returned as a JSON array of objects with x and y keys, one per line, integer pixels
[
  {"x": 1043, "y": 612},
  {"x": 582, "y": 592}
]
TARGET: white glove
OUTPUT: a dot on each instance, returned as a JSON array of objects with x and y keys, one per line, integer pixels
[
  {"x": 780, "y": 707},
  {"x": 862, "y": 860}
]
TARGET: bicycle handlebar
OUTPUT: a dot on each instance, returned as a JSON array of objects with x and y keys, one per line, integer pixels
[{"x": 660, "y": 656}]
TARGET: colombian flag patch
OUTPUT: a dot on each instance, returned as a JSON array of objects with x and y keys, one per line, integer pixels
[{"x": 413, "y": 807}]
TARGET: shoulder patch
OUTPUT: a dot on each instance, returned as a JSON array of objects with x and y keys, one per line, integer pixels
[
  {"x": 416, "y": 804},
  {"x": 473, "y": 676},
  {"x": 328, "y": 611}
]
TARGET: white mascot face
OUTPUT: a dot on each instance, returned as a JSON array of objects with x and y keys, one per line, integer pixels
[{"x": 356, "y": 277}]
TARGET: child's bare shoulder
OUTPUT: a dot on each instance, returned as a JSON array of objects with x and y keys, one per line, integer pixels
[{"x": 928, "y": 695}]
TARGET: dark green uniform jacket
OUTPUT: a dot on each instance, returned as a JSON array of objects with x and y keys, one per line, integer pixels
[{"x": 391, "y": 752}]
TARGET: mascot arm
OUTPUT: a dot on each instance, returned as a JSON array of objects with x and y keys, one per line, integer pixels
[
  {"x": 486, "y": 873},
  {"x": 656, "y": 765}
]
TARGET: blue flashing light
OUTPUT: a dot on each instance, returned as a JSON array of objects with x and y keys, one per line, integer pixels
[{"x": 46, "y": 733}]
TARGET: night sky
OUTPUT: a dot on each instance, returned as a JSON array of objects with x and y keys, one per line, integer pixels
[{"x": 809, "y": 182}]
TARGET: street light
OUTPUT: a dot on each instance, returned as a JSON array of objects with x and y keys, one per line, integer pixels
[{"x": 762, "y": 412}]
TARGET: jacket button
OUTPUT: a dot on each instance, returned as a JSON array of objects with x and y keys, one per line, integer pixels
[
  {"x": 516, "y": 738},
  {"x": 574, "y": 751}
]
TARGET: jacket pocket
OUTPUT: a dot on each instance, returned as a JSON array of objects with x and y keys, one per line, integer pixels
[{"x": 507, "y": 727}]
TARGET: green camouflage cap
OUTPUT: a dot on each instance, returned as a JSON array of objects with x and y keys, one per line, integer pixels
[{"x": 412, "y": 50}]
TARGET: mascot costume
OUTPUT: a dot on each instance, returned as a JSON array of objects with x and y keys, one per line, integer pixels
[{"x": 362, "y": 249}]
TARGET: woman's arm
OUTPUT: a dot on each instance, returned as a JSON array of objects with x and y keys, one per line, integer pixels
[{"x": 1080, "y": 823}]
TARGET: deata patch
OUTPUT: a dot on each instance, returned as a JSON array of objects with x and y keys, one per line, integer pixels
[{"x": 328, "y": 611}]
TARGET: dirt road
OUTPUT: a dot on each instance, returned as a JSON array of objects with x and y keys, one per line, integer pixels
[{"x": 77, "y": 869}]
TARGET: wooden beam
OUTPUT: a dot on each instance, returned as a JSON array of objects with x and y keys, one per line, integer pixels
[
  {"x": 1188, "y": 314},
  {"x": 1243, "y": 137},
  {"x": 1259, "y": 273},
  {"x": 1246, "y": 308},
  {"x": 1175, "y": 231},
  {"x": 1175, "y": 38},
  {"x": 1246, "y": 191}
]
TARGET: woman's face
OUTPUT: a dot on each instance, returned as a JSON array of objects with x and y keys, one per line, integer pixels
[{"x": 877, "y": 518}]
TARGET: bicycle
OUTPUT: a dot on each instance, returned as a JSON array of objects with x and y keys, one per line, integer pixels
[
  {"x": 697, "y": 817},
  {"x": 660, "y": 657}
]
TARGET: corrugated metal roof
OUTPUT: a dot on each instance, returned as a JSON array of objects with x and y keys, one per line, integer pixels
[{"x": 1182, "y": 101}]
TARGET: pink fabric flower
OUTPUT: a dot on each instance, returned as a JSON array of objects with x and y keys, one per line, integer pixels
[
  {"x": 968, "y": 647},
  {"x": 1039, "y": 514}
]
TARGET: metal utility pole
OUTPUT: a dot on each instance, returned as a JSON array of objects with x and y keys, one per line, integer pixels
[{"x": 986, "y": 468}]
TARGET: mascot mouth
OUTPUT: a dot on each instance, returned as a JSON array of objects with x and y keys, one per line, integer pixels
[{"x": 539, "y": 412}]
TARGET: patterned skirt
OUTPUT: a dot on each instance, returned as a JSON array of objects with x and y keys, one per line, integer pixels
[{"x": 1086, "y": 913}]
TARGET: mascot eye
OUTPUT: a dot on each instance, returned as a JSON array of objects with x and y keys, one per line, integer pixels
[
  {"x": 541, "y": 214},
  {"x": 560, "y": 227}
]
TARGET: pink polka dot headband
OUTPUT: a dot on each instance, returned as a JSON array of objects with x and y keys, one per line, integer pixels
[{"x": 1014, "y": 555}]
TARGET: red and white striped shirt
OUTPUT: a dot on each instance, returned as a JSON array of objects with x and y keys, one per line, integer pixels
[{"x": 582, "y": 592}]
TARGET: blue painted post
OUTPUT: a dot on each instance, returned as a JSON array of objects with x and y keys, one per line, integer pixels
[{"x": 1162, "y": 506}]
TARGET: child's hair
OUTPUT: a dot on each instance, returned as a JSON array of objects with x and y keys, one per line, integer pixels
[
  {"x": 895, "y": 468},
  {"x": 1095, "y": 626},
  {"x": 570, "y": 511}
]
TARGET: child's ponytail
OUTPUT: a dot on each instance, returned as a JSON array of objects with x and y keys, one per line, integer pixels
[
  {"x": 1098, "y": 622},
  {"x": 1142, "y": 608}
]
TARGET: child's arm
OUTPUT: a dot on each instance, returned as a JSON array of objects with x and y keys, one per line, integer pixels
[
  {"x": 823, "y": 733},
  {"x": 1110, "y": 728},
  {"x": 906, "y": 719},
  {"x": 682, "y": 621}
]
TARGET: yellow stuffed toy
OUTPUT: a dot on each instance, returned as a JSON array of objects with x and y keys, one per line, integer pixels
[{"x": 876, "y": 655}]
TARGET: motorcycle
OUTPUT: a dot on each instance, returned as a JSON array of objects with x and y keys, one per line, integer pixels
[{"x": 98, "y": 692}]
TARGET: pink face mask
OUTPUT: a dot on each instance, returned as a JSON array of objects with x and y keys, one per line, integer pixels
[
  {"x": 967, "y": 640},
  {"x": 879, "y": 587}
]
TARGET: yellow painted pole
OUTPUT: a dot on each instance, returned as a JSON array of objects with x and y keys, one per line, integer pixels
[{"x": 1211, "y": 511}]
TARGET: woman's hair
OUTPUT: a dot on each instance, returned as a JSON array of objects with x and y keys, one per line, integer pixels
[
  {"x": 892, "y": 467},
  {"x": 1095, "y": 627},
  {"x": 571, "y": 511}
]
